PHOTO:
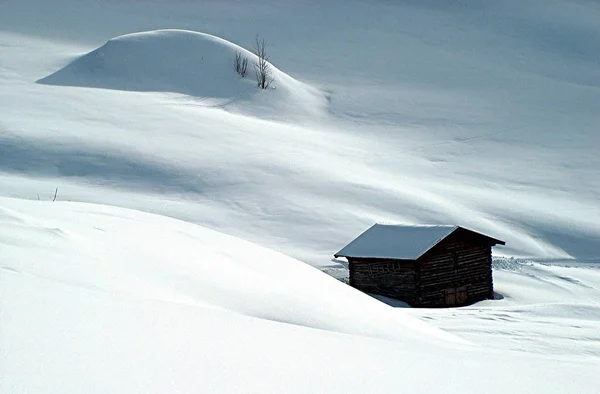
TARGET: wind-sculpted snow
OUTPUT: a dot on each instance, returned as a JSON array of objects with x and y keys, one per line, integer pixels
[
  {"x": 101, "y": 299},
  {"x": 190, "y": 63},
  {"x": 434, "y": 126},
  {"x": 146, "y": 256},
  {"x": 481, "y": 114}
]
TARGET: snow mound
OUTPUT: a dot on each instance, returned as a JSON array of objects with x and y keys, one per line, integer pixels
[
  {"x": 138, "y": 303},
  {"x": 150, "y": 257},
  {"x": 189, "y": 63}
]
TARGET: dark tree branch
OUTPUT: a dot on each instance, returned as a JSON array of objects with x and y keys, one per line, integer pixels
[
  {"x": 262, "y": 69},
  {"x": 241, "y": 64}
]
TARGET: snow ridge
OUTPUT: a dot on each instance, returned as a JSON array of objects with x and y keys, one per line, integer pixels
[{"x": 186, "y": 62}]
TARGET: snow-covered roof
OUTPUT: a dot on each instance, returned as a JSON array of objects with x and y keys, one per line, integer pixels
[{"x": 400, "y": 242}]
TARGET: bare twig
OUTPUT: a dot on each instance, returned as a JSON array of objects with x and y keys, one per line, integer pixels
[
  {"x": 241, "y": 64},
  {"x": 55, "y": 194},
  {"x": 262, "y": 69}
]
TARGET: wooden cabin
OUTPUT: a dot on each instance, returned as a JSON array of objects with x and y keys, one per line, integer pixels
[{"x": 424, "y": 266}]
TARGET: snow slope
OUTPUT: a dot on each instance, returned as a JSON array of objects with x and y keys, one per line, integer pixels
[
  {"x": 480, "y": 114},
  {"x": 482, "y": 120},
  {"x": 539, "y": 308},
  {"x": 124, "y": 301},
  {"x": 251, "y": 175},
  {"x": 190, "y": 63},
  {"x": 145, "y": 256}
]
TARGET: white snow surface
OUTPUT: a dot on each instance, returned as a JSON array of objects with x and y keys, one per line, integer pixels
[
  {"x": 484, "y": 116},
  {"x": 190, "y": 63},
  {"x": 480, "y": 114},
  {"x": 389, "y": 241},
  {"x": 101, "y": 299},
  {"x": 140, "y": 255}
]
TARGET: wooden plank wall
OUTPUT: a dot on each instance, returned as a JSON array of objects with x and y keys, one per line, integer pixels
[
  {"x": 391, "y": 278},
  {"x": 455, "y": 263}
]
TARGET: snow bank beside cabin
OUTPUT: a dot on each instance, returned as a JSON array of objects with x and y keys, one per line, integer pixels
[
  {"x": 147, "y": 256},
  {"x": 99, "y": 299}
]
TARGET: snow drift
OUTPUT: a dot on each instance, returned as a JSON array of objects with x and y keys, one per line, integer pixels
[
  {"x": 102, "y": 299},
  {"x": 147, "y": 256},
  {"x": 482, "y": 115},
  {"x": 499, "y": 161},
  {"x": 190, "y": 63}
]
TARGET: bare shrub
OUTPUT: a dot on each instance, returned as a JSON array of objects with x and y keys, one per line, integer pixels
[
  {"x": 241, "y": 64},
  {"x": 262, "y": 69}
]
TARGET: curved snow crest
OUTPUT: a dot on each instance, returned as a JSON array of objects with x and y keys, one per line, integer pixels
[
  {"x": 191, "y": 63},
  {"x": 146, "y": 256}
]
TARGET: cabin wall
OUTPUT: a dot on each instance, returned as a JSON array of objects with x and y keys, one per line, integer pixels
[
  {"x": 455, "y": 272},
  {"x": 390, "y": 278}
]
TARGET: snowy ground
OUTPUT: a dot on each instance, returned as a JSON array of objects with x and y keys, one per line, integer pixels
[
  {"x": 99, "y": 299},
  {"x": 547, "y": 309},
  {"x": 482, "y": 115}
]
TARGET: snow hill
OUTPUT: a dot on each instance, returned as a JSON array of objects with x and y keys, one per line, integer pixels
[
  {"x": 102, "y": 299},
  {"x": 175, "y": 131},
  {"x": 190, "y": 63},
  {"x": 479, "y": 114},
  {"x": 145, "y": 256}
]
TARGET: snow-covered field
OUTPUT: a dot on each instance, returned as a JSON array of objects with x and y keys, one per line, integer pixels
[
  {"x": 100, "y": 299},
  {"x": 481, "y": 114}
]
